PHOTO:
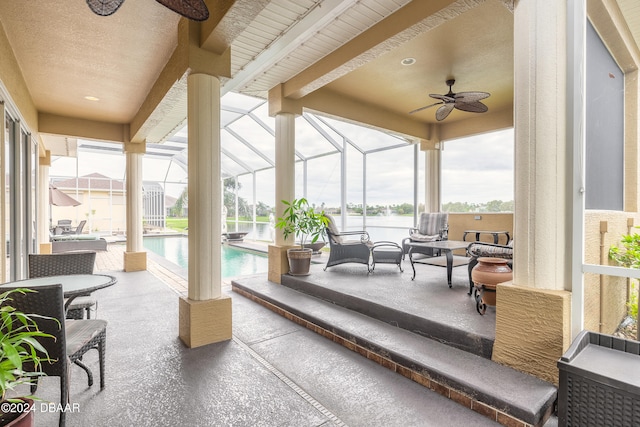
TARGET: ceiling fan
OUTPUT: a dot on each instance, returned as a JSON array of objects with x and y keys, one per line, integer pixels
[
  {"x": 192, "y": 9},
  {"x": 465, "y": 101}
]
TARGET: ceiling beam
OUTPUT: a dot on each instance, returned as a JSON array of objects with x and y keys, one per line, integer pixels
[
  {"x": 302, "y": 31},
  {"x": 415, "y": 18},
  {"x": 229, "y": 18}
]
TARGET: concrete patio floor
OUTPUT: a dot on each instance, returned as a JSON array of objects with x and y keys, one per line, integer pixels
[{"x": 273, "y": 371}]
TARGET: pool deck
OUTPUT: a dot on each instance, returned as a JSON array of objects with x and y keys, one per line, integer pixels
[{"x": 152, "y": 379}]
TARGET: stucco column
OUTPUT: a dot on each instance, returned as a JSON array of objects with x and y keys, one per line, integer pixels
[
  {"x": 285, "y": 190},
  {"x": 533, "y": 313},
  {"x": 205, "y": 315},
  {"x": 135, "y": 257},
  {"x": 432, "y": 174},
  {"x": 44, "y": 216}
]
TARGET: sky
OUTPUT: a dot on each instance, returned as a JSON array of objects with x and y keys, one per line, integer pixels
[{"x": 476, "y": 169}]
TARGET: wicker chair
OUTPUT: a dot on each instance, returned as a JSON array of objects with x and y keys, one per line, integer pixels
[
  {"x": 71, "y": 342},
  {"x": 476, "y": 250},
  {"x": 81, "y": 262},
  {"x": 343, "y": 250},
  {"x": 432, "y": 226}
]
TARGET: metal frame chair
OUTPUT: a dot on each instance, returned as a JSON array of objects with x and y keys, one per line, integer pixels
[
  {"x": 80, "y": 262},
  {"x": 343, "y": 251},
  {"x": 73, "y": 338},
  {"x": 431, "y": 227}
]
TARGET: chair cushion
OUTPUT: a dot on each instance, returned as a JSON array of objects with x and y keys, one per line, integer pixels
[
  {"x": 81, "y": 332},
  {"x": 333, "y": 229},
  {"x": 417, "y": 237},
  {"x": 488, "y": 250},
  {"x": 431, "y": 223}
]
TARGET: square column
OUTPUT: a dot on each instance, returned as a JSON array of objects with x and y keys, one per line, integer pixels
[
  {"x": 135, "y": 257},
  {"x": 285, "y": 190},
  {"x": 533, "y": 313},
  {"x": 44, "y": 212},
  {"x": 432, "y": 174},
  {"x": 205, "y": 314}
]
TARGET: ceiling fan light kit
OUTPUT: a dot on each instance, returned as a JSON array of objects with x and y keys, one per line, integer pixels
[
  {"x": 463, "y": 101},
  {"x": 195, "y": 10}
]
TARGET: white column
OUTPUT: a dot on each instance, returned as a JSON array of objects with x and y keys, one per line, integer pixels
[
  {"x": 432, "y": 180},
  {"x": 542, "y": 179},
  {"x": 44, "y": 216},
  {"x": 134, "y": 202},
  {"x": 205, "y": 207},
  {"x": 285, "y": 167}
]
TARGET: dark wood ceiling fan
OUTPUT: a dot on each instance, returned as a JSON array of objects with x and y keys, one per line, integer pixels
[
  {"x": 192, "y": 9},
  {"x": 464, "y": 101}
]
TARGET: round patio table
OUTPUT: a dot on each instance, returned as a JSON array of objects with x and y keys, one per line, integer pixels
[{"x": 73, "y": 285}]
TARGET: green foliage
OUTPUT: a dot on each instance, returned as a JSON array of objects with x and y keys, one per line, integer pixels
[
  {"x": 18, "y": 345},
  {"x": 301, "y": 220},
  {"x": 177, "y": 224},
  {"x": 629, "y": 256},
  {"x": 491, "y": 206}
]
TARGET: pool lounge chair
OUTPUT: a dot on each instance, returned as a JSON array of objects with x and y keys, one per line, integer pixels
[{"x": 77, "y": 242}]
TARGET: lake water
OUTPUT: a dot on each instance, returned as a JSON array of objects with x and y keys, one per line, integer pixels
[{"x": 392, "y": 228}]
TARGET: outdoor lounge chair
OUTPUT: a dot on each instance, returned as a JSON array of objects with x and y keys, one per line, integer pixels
[
  {"x": 476, "y": 250},
  {"x": 343, "y": 250},
  {"x": 72, "y": 340},
  {"x": 81, "y": 262},
  {"x": 432, "y": 226},
  {"x": 78, "y": 229}
]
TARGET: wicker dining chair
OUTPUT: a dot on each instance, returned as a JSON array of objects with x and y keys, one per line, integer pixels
[
  {"x": 73, "y": 338},
  {"x": 79, "y": 262}
]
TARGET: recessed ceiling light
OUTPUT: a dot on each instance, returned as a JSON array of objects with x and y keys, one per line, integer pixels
[
  {"x": 408, "y": 61},
  {"x": 91, "y": 98}
]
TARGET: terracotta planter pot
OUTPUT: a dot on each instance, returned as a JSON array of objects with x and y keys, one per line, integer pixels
[
  {"x": 25, "y": 419},
  {"x": 299, "y": 261},
  {"x": 486, "y": 275}
]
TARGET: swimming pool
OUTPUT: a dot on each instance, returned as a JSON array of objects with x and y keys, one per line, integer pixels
[{"x": 235, "y": 262}]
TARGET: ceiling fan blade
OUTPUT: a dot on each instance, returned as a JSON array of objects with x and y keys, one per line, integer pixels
[
  {"x": 471, "y": 96},
  {"x": 425, "y": 107},
  {"x": 195, "y": 10},
  {"x": 104, "y": 7},
  {"x": 444, "y": 111},
  {"x": 445, "y": 98},
  {"x": 472, "y": 107}
]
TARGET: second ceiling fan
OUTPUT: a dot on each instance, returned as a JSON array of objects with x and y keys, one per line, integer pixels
[{"x": 464, "y": 101}]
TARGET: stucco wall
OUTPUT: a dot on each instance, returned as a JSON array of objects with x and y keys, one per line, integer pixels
[
  {"x": 11, "y": 78},
  {"x": 459, "y": 222},
  {"x": 532, "y": 329}
]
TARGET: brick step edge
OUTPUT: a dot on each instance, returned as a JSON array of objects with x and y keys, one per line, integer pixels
[{"x": 419, "y": 376}]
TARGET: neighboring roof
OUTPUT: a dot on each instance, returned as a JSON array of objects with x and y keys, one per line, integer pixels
[
  {"x": 169, "y": 201},
  {"x": 93, "y": 181}
]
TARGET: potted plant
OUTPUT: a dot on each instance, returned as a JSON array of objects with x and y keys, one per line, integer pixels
[
  {"x": 21, "y": 357},
  {"x": 302, "y": 221}
]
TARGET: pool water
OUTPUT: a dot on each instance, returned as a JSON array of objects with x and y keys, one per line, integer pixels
[{"x": 235, "y": 262}]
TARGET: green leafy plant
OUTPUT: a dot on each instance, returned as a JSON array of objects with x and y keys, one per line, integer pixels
[
  {"x": 628, "y": 256},
  {"x": 21, "y": 355},
  {"x": 302, "y": 221}
]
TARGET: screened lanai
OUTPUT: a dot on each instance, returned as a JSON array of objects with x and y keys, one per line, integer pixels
[{"x": 340, "y": 167}]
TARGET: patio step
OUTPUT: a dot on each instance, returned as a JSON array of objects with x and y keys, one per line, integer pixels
[
  {"x": 496, "y": 391},
  {"x": 448, "y": 333}
]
